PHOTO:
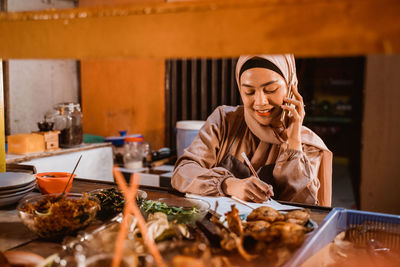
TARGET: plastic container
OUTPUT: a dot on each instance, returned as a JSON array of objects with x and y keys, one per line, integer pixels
[
  {"x": 186, "y": 131},
  {"x": 120, "y": 140},
  {"x": 337, "y": 221}
]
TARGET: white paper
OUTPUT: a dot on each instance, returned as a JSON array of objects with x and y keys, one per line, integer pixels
[{"x": 225, "y": 203}]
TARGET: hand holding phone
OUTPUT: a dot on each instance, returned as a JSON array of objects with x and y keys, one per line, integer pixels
[
  {"x": 285, "y": 112},
  {"x": 294, "y": 104}
]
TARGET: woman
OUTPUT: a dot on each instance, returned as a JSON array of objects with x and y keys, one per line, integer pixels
[{"x": 292, "y": 162}]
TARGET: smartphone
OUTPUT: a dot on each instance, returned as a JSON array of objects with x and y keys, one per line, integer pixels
[{"x": 284, "y": 112}]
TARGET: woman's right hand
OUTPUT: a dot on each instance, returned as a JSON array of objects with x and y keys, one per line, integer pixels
[{"x": 249, "y": 189}]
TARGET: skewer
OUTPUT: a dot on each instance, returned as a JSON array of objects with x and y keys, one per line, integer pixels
[{"x": 132, "y": 208}]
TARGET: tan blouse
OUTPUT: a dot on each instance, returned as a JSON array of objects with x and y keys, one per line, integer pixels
[{"x": 295, "y": 173}]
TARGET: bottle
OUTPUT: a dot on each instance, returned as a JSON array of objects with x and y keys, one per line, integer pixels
[
  {"x": 133, "y": 157},
  {"x": 147, "y": 155},
  {"x": 69, "y": 122}
]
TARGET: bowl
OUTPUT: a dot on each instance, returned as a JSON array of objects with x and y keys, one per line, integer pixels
[
  {"x": 112, "y": 201},
  {"x": 54, "y": 182},
  {"x": 179, "y": 209},
  {"x": 54, "y": 216}
]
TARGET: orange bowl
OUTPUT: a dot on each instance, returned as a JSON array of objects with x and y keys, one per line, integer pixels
[{"x": 54, "y": 182}]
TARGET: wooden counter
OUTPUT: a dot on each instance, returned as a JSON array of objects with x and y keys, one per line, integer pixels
[{"x": 15, "y": 236}]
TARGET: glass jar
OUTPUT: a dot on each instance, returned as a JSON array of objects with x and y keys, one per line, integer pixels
[
  {"x": 133, "y": 157},
  {"x": 68, "y": 120},
  {"x": 147, "y": 156}
]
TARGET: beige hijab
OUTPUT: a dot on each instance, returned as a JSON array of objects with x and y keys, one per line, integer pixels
[{"x": 268, "y": 134}]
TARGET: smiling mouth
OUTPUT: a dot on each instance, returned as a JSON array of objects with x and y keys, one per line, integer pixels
[{"x": 264, "y": 112}]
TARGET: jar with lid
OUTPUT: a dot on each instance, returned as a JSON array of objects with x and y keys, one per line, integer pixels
[
  {"x": 68, "y": 120},
  {"x": 133, "y": 157}
]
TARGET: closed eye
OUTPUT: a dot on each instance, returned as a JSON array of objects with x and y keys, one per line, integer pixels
[{"x": 266, "y": 91}]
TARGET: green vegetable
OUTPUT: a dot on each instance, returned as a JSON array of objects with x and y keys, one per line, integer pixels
[
  {"x": 151, "y": 206},
  {"x": 112, "y": 202}
]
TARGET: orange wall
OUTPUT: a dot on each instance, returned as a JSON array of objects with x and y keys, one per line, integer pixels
[{"x": 123, "y": 94}]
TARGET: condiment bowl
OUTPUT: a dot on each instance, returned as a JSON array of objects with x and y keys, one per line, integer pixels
[
  {"x": 54, "y": 182},
  {"x": 54, "y": 216}
]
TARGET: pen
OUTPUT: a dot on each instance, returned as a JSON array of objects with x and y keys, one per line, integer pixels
[
  {"x": 252, "y": 169},
  {"x": 243, "y": 202},
  {"x": 249, "y": 164}
]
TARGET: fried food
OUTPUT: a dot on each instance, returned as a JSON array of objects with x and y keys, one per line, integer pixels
[
  {"x": 266, "y": 232},
  {"x": 256, "y": 226},
  {"x": 54, "y": 216},
  {"x": 266, "y": 214},
  {"x": 187, "y": 261},
  {"x": 298, "y": 216},
  {"x": 286, "y": 233},
  {"x": 234, "y": 221}
]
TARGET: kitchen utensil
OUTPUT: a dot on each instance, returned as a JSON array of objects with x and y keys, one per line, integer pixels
[{"x": 76, "y": 165}]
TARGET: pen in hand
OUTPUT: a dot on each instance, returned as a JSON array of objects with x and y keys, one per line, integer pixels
[{"x": 253, "y": 171}]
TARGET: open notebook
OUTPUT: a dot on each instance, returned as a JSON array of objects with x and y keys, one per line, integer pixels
[{"x": 225, "y": 203}]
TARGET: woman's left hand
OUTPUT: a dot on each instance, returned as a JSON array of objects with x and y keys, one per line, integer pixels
[{"x": 296, "y": 116}]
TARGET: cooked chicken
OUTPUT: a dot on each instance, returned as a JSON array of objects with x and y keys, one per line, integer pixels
[
  {"x": 229, "y": 242},
  {"x": 234, "y": 221},
  {"x": 255, "y": 226},
  {"x": 286, "y": 233},
  {"x": 298, "y": 216},
  {"x": 266, "y": 214}
]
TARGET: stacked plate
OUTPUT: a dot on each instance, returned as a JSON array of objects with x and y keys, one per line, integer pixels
[{"x": 14, "y": 186}]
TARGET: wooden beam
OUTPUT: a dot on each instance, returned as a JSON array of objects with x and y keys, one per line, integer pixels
[
  {"x": 2, "y": 135},
  {"x": 205, "y": 29}
]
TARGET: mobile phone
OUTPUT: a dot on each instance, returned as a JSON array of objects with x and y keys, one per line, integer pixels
[{"x": 285, "y": 112}]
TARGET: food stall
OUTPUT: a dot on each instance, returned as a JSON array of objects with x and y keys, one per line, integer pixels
[{"x": 66, "y": 34}]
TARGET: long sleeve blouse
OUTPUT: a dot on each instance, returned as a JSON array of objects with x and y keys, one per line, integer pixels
[{"x": 294, "y": 173}]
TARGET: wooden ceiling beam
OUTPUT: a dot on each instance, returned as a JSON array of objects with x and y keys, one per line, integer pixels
[{"x": 205, "y": 29}]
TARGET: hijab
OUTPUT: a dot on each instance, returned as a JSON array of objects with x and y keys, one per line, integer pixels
[{"x": 270, "y": 134}]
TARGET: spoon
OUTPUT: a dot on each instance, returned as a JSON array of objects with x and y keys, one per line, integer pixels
[{"x": 72, "y": 174}]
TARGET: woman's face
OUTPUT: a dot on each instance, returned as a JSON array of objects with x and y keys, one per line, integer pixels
[{"x": 262, "y": 91}]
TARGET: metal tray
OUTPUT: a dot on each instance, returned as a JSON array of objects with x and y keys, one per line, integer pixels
[{"x": 339, "y": 220}]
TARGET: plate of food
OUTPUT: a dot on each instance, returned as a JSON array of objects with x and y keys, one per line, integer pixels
[
  {"x": 181, "y": 209},
  {"x": 54, "y": 216},
  {"x": 112, "y": 201}
]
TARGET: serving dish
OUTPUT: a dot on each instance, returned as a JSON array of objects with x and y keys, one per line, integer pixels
[
  {"x": 112, "y": 201},
  {"x": 54, "y": 216},
  {"x": 184, "y": 210}
]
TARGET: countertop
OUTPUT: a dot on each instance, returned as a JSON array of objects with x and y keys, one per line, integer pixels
[{"x": 13, "y": 158}]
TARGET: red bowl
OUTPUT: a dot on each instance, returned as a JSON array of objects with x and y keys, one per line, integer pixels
[{"x": 54, "y": 182}]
